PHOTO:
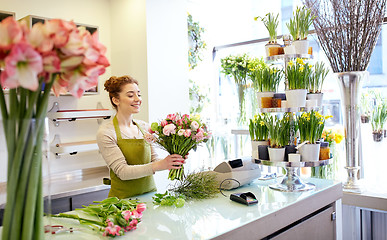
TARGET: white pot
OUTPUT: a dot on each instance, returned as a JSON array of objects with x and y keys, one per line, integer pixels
[
  {"x": 290, "y": 49},
  {"x": 310, "y": 152},
  {"x": 276, "y": 154},
  {"x": 270, "y": 45},
  {"x": 317, "y": 96},
  {"x": 254, "y": 148},
  {"x": 310, "y": 103},
  {"x": 263, "y": 94},
  {"x": 294, "y": 157},
  {"x": 295, "y": 98},
  {"x": 301, "y": 46}
]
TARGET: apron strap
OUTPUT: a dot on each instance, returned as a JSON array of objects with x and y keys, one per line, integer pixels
[
  {"x": 117, "y": 128},
  {"x": 139, "y": 127}
]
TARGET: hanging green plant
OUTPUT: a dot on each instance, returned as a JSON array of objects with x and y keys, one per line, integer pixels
[{"x": 196, "y": 44}]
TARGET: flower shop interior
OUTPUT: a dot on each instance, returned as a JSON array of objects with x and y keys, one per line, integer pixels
[{"x": 218, "y": 71}]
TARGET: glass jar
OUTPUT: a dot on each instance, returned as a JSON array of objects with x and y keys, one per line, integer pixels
[{"x": 324, "y": 151}]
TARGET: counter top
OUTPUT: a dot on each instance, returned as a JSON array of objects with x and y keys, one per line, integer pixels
[
  {"x": 71, "y": 183},
  {"x": 221, "y": 218}
]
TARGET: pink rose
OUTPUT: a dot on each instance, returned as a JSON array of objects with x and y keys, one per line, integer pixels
[
  {"x": 187, "y": 133},
  {"x": 181, "y": 132},
  {"x": 194, "y": 125},
  {"x": 169, "y": 129}
]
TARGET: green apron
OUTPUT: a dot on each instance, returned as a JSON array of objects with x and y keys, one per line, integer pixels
[{"x": 136, "y": 152}]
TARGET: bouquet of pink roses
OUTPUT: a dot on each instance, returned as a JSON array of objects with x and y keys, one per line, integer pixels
[{"x": 178, "y": 134}]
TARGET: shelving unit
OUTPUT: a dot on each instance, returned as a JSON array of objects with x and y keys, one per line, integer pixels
[{"x": 57, "y": 115}]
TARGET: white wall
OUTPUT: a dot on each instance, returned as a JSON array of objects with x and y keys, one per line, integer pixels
[{"x": 167, "y": 47}]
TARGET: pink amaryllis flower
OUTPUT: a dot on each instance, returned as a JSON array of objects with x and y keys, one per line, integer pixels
[
  {"x": 11, "y": 32},
  {"x": 22, "y": 67}
]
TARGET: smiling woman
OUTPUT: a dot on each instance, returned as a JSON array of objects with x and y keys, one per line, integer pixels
[{"x": 131, "y": 160}]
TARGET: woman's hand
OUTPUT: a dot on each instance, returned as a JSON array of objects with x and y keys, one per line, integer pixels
[{"x": 173, "y": 161}]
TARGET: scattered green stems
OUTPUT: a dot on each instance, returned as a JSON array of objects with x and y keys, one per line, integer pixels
[
  {"x": 298, "y": 74},
  {"x": 257, "y": 128},
  {"x": 200, "y": 185},
  {"x": 317, "y": 77},
  {"x": 279, "y": 130},
  {"x": 310, "y": 126},
  {"x": 271, "y": 23},
  {"x": 263, "y": 77},
  {"x": 24, "y": 128},
  {"x": 379, "y": 117}
]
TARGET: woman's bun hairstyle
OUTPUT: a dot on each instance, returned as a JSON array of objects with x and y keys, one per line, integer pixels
[{"x": 115, "y": 84}]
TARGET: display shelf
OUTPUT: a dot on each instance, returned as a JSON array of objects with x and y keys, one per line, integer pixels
[
  {"x": 5, "y": 14},
  {"x": 295, "y": 109},
  {"x": 294, "y": 164},
  {"x": 291, "y": 182},
  {"x": 288, "y": 57},
  {"x": 72, "y": 148},
  {"x": 57, "y": 115}
]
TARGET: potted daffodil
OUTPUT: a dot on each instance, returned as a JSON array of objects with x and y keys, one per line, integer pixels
[{"x": 271, "y": 23}]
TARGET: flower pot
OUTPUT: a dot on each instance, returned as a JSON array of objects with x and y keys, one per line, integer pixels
[
  {"x": 268, "y": 96},
  {"x": 276, "y": 154},
  {"x": 254, "y": 148},
  {"x": 377, "y": 136},
  {"x": 288, "y": 150},
  {"x": 263, "y": 152},
  {"x": 365, "y": 118},
  {"x": 301, "y": 46},
  {"x": 311, "y": 103},
  {"x": 317, "y": 96},
  {"x": 272, "y": 49},
  {"x": 294, "y": 157},
  {"x": 310, "y": 152},
  {"x": 295, "y": 98},
  {"x": 290, "y": 50}
]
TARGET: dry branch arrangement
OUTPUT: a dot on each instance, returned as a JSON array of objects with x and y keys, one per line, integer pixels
[{"x": 347, "y": 30}]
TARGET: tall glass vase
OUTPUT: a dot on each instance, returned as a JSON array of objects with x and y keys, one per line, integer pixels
[
  {"x": 350, "y": 85},
  {"x": 27, "y": 148}
]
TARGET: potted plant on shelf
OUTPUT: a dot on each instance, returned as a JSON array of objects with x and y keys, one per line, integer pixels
[
  {"x": 365, "y": 107},
  {"x": 297, "y": 75},
  {"x": 278, "y": 136},
  {"x": 310, "y": 126},
  {"x": 265, "y": 80},
  {"x": 316, "y": 81},
  {"x": 237, "y": 67},
  {"x": 258, "y": 133},
  {"x": 298, "y": 27},
  {"x": 379, "y": 117},
  {"x": 271, "y": 23}
]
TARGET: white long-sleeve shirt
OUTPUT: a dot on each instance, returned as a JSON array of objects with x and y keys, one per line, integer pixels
[{"x": 115, "y": 160}]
